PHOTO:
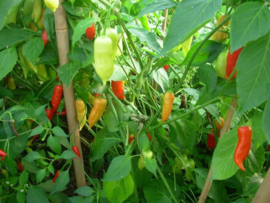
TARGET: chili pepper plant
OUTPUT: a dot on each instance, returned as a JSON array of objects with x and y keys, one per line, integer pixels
[{"x": 174, "y": 94}]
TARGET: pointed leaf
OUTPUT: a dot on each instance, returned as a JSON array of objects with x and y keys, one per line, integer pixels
[{"x": 8, "y": 59}]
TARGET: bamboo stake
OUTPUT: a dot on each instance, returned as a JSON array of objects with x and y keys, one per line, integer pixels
[
  {"x": 225, "y": 129},
  {"x": 61, "y": 29},
  {"x": 262, "y": 195}
]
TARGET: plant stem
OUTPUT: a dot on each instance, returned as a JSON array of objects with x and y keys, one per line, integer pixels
[
  {"x": 187, "y": 113},
  {"x": 198, "y": 49}
]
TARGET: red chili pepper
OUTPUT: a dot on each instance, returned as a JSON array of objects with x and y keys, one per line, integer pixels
[
  {"x": 131, "y": 138},
  {"x": 118, "y": 90},
  {"x": 2, "y": 153},
  {"x": 90, "y": 32},
  {"x": 96, "y": 95},
  {"x": 56, "y": 176},
  {"x": 243, "y": 146},
  {"x": 45, "y": 37},
  {"x": 76, "y": 151},
  {"x": 231, "y": 62},
  {"x": 57, "y": 96},
  {"x": 50, "y": 113},
  {"x": 35, "y": 137},
  {"x": 2, "y": 158},
  {"x": 20, "y": 166},
  {"x": 166, "y": 67},
  {"x": 211, "y": 142},
  {"x": 63, "y": 113},
  {"x": 149, "y": 136}
]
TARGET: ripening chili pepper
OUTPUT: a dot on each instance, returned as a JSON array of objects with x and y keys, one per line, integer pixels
[
  {"x": 52, "y": 4},
  {"x": 37, "y": 10},
  {"x": 56, "y": 97},
  {"x": 45, "y": 37},
  {"x": 56, "y": 176},
  {"x": 103, "y": 55},
  {"x": 20, "y": 166},
  {"x": 166, "y": 67},
  {"x": 118, "y": 90},
  {"x": 11, "y": 83},
  {"x": 131, "y": 138},
  {"x": 90, "y": 32},
  {"x": 76, "y": 151},
  {"x": 219, "y": 35},
  {"x": 149, "y": 136},
  {"x": 211, "y": 142},
  {"x": 49, "y": 113},
  {"x": 218, "y": 125},
  {"x": 2, "y": 153},
  {"x": 221, "y": 64},
  {"x": 99, "y": 106},
  {"x": 81, "y": 112},
  {"x": 22, "y": 60},
  {"x": 167, "y": 105},
  {"x": 243, "y": 146},
  {"x": 231, "y": 62}
]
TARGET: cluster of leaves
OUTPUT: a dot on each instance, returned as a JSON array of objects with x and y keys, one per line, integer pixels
[{"x": 139, "y": 25}]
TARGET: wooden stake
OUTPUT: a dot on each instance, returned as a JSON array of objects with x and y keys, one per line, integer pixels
[
  {"x": 263, "y": 195},
  {"x": 225, "y": 129},
  {"x": 61, "y": 29}
]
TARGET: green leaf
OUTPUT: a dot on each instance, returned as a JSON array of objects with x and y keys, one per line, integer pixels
[
  {"x": 32, "y": 49},
  {"x": 255, "y": 160},
  {"x": 61, "y": 182},
  {"x": 23, "y": 178},
  {"x": 119, "y": 191},
  {"x": 250, "y": 21},
  {"x": 80, "y": 29},
  {"x": 252, "y": 77},
  {"x": 145, "y": 36},
  {"x": 57, "y": 131},
  {"x": 151, "y": 165},
  {"x": 253, "y": 185},
  {"x": 190, "y": 15},
  {"x": 157, "y": 6},
  {"x": 8, "y": 59},
  {"x": 14, "y": 36},
  {"x": 36, "y": 131},
  {"x": 143, "y": 141},
  {"x": 258, "y": 136},
  {"x": 208, "y": 76},
  {"x": 68, "y": 154},
  {"x": 223, "y": 162},
  {"x": 161, "y": 77},
  {"x": 40, "y": 175},
  {"x": 84, "y": 191},
  {"x": 32, "y": 156},
  {"x": 186, "y": 133},
  {"x": 266, "y": 118},
  {"x": 156, "y": 192},
  {"x": 54, "y": 144},
  {"x": 67, "y": 72},
  {"x": 104, "y": 141},
  {"x": 6, "y": 10},
  {"x": 119, "y": 168},
  {"x": 40, "y": 110},
  {"x": 36, "y": 195},
  {"x": 76, "y": 10},
  {"x": 20, "y": 196}
]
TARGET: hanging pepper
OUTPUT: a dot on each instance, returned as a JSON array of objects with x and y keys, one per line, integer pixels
[
  {"x": 221, "y": 64},
  {"x": 81, "y": 112},
  {"x": 149, "y": 136},
  {"x": 76, "y": 151},
  {"x": 112, "y": 34},
  {"x": 13, "y": 127},
  {"x": 166, "y": 67},
  {"x": 56, "y": 97},
  {"x": 37, "y": 10},
  {"x": 49, "y": 113},
  {"x": 231, "y": 62},
  {"x": 131, "y": 138},
  {"x": 90, "y": 32},
  {"x": 2, "y": 153},
  {"x": 11, "y": 83},
  {"x": 103, "y": 55},
  {"x": 56, "y": 176},
  {"x": 96, "y": 94},
  {"x": 62, "y": 113},
  {"x": 42, "y": 73},
  {"x": 22, "y": 59},
  {"x": 211, "y": 142},
  {"x": 52, "y": 4},
  {"x": 167, "y": 105},
  {"x": 186, "y": 45},
  {"x": 243, "y": 146},
  {"x": 45, "y": 38},
  {"x": 219, "y": 35},
  {"x": 99, "y": 106},
  {"x": 118, "y": 90},
  {"x": 218, "y": 125},
  {"x": 20, "y": 166}
]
